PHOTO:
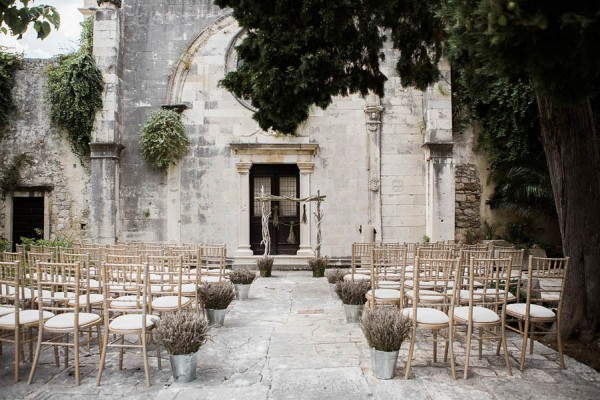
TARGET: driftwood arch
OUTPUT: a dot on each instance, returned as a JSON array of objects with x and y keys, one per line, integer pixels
[{"x": 265, "y": 215}]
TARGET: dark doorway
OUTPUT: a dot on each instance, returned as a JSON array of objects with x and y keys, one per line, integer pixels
[
  {"x": 28, "y": 218},
  {"x": 284, "y": 223}
]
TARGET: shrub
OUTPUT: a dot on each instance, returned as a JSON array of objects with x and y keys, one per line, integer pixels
[
  {"x": 242, "y": 276},
  {"x": 318, "y": 266},
  {"x": 182, "y": 332},
  {"x": 336, "y": 275},
  {"x": 163, "y": 140},
  {"x": 385, "y": 328},
  {"x": 265, "y": 266},
  {"x": 353, "y": 292},
  {"x": 216, "y": 295}
]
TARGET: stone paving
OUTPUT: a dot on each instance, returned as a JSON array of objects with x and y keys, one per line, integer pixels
[{"x": 290, "y": 341}]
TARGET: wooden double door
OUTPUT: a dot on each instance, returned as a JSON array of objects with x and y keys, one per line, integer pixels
[{"x": 284, "y": 222}]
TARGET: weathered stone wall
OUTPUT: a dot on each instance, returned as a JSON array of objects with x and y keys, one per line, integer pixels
[
  {"x": 468, "y": 200},
  {"x": 54, "y": 165}
]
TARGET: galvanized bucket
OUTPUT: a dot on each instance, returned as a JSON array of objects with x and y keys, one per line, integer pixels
[
  {"x": 241, "y": 291},
  {"x": 353, "y": 312},
  {"x": 383, "y": 363},
  {"x": 215, "y": 317},
  {"x": 332, "y": 291},
  {"x": 183, "y": 367}
]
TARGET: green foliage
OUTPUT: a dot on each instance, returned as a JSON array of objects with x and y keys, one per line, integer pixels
[
  {"x": 426, "y": 239},
  {"x": 163, "y": 140},
  {"x": 74, "y": 91},
  {"x": 489, "y": 230},
  {"x": 297, "y": 54},
  {"x": 4, "y": 245},
  {"x": 516, "y": 233},
  {"x": 8, "y": 65},
  {"x": 18, "y": 17},
  {"x": 10, "y": 174}
]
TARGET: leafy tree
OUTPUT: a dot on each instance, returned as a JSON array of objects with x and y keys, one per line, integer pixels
[
  {"x": 17, "y": 16},
  {"x": 301, "y": 53}
]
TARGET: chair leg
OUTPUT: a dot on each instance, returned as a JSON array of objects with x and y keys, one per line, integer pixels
[
  {"x": 451, "y": 346},
  {"x": 121, "y": 352},
  {"x": 524, "y": 346},
  {"x": 102, "y": 356},
  {"x": 502, "y": 339},
  {"x": 531, "y": 337},
  {"x": 468, "y": 349},
  {"x": 66, "y": 348},
  {"x": 435, "y": 340},
  {"x": 559, "y": 344},
  {"x": 18, "y": 348},
  {"x": 158, "y": 352},
  {"x": 480, "y": 342},
  {"x": 410, "y": 349},
  {"x": 36, "y": 358},
  {"x": 145, "y": 355},
  {"x": 76, "y": 354},
  {"x": 56, "y": 355}
]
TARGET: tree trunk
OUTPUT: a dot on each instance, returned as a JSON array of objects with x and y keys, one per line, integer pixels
[{"x": 570, "y": 145}]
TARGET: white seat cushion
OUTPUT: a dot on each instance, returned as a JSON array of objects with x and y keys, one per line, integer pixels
[
  {"x": 429, "y": 316},
  {"x": 169, "y": 302},
  {"x": 481, "y": 315},
  {"x": 422, "y": 284},
  {"x": 126, "y": 302},
  {"x": 25, "y": 317},
  {"x": 535, "y": 310},
  {"x": 388, "y": 285},
  {"x": 210, "y": 278},
  {"x": 188, "y": 288},
  {"x": 4, "y": 310},
  {"x": 385, "y": 294},
  {"x": 429, "y": 296},
  {"x": 67, "y": 320},
  {"x": 364, "y": 271},
  {"x": 95, "y": 298},
  {"x": 464, "y": 295},
  {"x": 491, "y": 294},
  {"x": 132, "y": 322},
  {"x": 357, "y": 277},
  {"x": 10, "y": 291}
]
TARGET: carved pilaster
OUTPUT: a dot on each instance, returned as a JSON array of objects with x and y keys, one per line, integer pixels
[{"x": 373, "y": 121}]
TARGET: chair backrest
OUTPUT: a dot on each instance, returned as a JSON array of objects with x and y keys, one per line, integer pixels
[
  {"x": 477, "y": 246},
  {"x": 10, "y": 256},
  {"x": 385, "y": 262},
  {"x": 212, "y": 259},
  {"x": 58, "y": 287},
  {"x": 33, "y": 257},
  {"x": 11, "y": 283},
  {"x": 546, "y": 280},
  {"x": 434, "y": 253},
  {"x": 432, "y": 282},
  {"x": 129, "y": 280},
  {"x": 166, "y": 276},
  {"x": 515, "y": 255},
  {"x": 123, "y": 259},
  {"x": 489, "y": 285},
  {"x": 361, "y": 255},
  {"x": 145, "y": 253},
  {"x": 465, "y": 256}
]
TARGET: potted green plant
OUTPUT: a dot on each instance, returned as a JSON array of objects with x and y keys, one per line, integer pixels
[
  {"x": 318, "y": 265},
  {"x": 182, "y": 333},
  {"x": 385, "y": 329},
  {"x": 242, "y": 279},
  {"x": 216, "y": 297},
  {"x": 265, "y": 266},
  {"x": 334, "y": 276},
  {"x": 353, "y": 296}
]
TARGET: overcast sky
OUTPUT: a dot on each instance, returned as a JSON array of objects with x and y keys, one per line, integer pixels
[{"x": 61, "y": 41}]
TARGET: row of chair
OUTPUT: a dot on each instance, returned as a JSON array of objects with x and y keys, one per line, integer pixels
[
  {"x": 68, "y": 294},
  {"x": 479, "y": 290}
]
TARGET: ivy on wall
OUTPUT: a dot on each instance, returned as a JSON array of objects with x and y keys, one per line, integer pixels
[
  {"x": 8, "y": 65},
  {"x": 74, "y": 91},
  {"x": 163, "y": 140}
]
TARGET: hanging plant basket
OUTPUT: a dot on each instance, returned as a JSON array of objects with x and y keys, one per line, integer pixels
[{"x": 163, "y": 141}]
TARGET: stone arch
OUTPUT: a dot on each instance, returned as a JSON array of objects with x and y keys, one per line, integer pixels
[{"x": 179, "y": 75}]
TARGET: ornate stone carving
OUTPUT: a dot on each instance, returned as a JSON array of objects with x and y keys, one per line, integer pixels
[
  {"x": 374, "y": 185},
  {"x": 116, "y": 3},
  {"x": 373, "y": 117}
]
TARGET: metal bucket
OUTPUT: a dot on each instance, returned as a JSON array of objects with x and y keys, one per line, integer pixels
[
  {"x": 383, "y": 363},
  {"x": 215, "y": 317},
  {"x": 353, "y": 312},
  {"x": 241, "y": 291},
  {"x": 334, "y": 295},
  {"x": 183, "y": 367}
]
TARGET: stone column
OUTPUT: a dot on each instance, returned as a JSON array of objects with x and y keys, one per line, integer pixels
[
  {"x": 373, "y": 113},
  {"x": 306, "y": 170},
  {"x": 105, "y": 146},
  {"x": 243, "y": 248},
  {"x": 440, "y": 191}
]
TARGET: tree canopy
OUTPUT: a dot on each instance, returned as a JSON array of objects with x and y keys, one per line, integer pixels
[{"x": 16, "y": 17}]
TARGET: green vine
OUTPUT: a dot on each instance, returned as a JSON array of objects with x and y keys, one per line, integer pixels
[
  {"x": 8, "y": 65},
  {"x": 163, "y": 140},
  {"x": 10, "y": 174},
  {"x": 74, "y": 91}
]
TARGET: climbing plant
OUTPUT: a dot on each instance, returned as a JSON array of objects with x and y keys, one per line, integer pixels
[
  {"x": 8, "y": 65},
  {"x": 74, "y": 91},
  {"x": 163, "y": 140},
  {"x": 10, "y": 174}
]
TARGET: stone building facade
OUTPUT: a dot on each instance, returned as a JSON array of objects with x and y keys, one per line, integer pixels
[{"x": 384, "y": 164}]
